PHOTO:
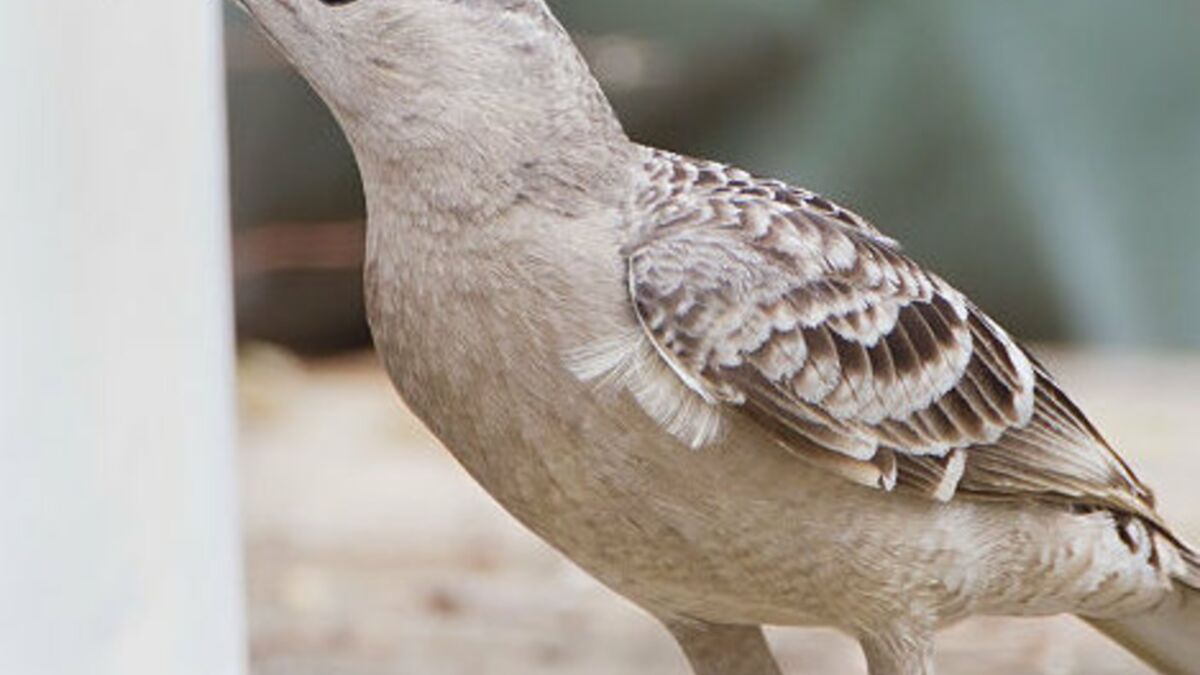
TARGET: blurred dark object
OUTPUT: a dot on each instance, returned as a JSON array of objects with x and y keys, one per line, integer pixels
[
  {"x": 300, "y": 285},
  {"x": 297, "y": 209}
]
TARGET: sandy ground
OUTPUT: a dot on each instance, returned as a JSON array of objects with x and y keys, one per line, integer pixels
[{"x": 369, "y": 551}]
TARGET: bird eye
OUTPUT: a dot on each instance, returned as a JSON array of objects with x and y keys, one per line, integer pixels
[{"x": 336, "y": 3}]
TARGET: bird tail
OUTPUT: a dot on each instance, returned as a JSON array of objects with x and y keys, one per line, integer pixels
[{"x": 1167, "y": 638}]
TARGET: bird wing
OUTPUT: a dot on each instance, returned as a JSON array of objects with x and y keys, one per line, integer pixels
[{"x": 782, "y": 305}]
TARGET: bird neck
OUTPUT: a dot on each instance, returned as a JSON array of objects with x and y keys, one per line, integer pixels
[
  {"x": 473, "y": 107},
  {"x": 463, "y": 177}
]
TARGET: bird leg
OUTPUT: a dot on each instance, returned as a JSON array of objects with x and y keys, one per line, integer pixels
[
  {"x": 715, "y": 649},
  {"x": 898, "y": 653}
]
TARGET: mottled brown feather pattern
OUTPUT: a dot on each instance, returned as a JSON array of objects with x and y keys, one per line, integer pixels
[{"x": 804, "y": 317}]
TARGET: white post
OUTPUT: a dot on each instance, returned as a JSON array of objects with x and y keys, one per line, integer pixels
[{"x": 118, "y": 530}]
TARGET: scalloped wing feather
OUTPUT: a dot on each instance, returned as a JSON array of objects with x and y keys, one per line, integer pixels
[{"x": 781, "y": 305}]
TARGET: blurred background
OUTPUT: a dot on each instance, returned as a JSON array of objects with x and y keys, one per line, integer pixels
[{"x": 1045, "y": 157}]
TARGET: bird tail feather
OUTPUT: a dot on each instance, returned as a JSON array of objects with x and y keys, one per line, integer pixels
[{"x": 1167, "y": 638}]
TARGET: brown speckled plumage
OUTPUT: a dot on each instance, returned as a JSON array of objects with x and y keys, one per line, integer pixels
[{"x": 784, "y": 305}]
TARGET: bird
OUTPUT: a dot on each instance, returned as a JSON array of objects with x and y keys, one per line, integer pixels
[{"x": 732, "y": 400}]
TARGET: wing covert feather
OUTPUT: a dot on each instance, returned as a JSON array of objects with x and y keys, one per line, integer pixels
[{"x": 798, "y": 313}]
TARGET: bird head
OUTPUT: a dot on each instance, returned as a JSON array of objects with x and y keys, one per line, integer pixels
[{"x": 425, "y": 74}]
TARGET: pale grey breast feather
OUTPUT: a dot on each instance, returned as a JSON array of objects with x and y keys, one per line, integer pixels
[{"x": 793, "y": 310}]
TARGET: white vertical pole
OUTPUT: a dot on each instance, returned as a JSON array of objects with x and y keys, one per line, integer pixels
[{"x": 118, "y": 536}]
